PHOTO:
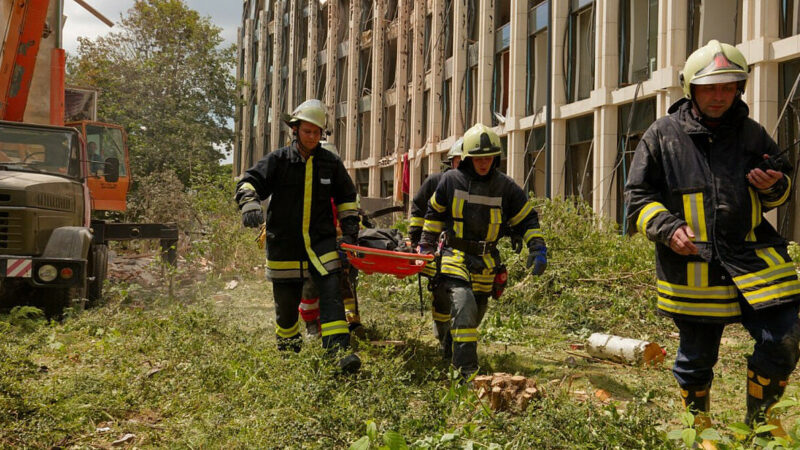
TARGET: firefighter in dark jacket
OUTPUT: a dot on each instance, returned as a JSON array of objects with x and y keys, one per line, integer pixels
[
  {"x": 419, "y": 206},
  {"x": 695, "y": 189},
  {"x": 471, "y": 205},
  {"x": 300, "y": 180}
]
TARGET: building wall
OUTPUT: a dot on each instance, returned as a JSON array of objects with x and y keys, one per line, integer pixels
[{"x": 409, "y": 76}]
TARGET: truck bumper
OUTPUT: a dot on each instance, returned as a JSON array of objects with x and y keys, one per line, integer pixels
[{"x": 68, "y": 272}]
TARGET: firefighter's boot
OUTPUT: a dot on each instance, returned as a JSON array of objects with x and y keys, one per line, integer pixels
[
  {"x": 350, "y": 363},
  {"x": 762, "y": 393},
  {"x": 698, "y": 400}
]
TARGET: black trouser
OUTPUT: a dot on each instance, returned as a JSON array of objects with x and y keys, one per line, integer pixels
[
  {"x": 776, "y": 333},
  {"x": 467, "y": 311},
  {"x": 287, "y": 294}
]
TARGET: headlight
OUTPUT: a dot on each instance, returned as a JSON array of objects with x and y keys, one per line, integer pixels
[{"x": 47, "y": 273}]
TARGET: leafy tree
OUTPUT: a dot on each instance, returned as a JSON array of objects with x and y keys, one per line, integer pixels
[{"x": 165, "y": 77}]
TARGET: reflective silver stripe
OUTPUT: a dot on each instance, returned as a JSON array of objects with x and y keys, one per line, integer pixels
[
  {"x": 709, "y": 292},
  {"x": 309, "y": 306},
  {"x": 765, "y": 276},
  {"x": 284, "y": 274},
  {"x": 699, "y": 309},
  {"x": 478, "y": 199},
  {"x": 774, "y": 292}
]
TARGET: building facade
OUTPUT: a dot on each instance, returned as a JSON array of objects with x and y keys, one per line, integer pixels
[{"x": 408, "y": 77}]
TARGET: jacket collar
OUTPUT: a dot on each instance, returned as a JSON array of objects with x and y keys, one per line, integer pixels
[{"x": 692, "y": 124}]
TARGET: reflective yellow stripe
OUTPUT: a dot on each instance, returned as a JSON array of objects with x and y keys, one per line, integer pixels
[
  {"x": 335, "y": 327},
  {"x": 481, "y": 287},
  {"x": 455, "y": 265},
  {"x": 439, "y": 317},
  {"x": 328, "y": 257},
  {"x": 785, "y": 195},
  {"x": 770, "y": 256},
  {"x": 765, "y": 276},
  {"x": 774, "y": 292},
  {"x": 709, "y": 292},
  {"x": 697, "y": 274},
  {"x": 523, "y": 213},
  {"x": 495, "y": 219},
  {"x": 488, "y": 261},
  {"x": 458, "y": 228},
  {"x": 458, "y": 207},
  {"x": 416, "y": 221},
  {"x": 433, "y": 226},
  {"x": 430, "y": 269},
  {"x": 287, "y": 332},
  {"x": 695, "y": 215},
  {"x": 246, "y": 187},
  {"x": 699, "y": 309},
  {"x": 307, "y": 196},
  {"x": 464, "y": 334},
  {"x": 755, "y": 215},
  {"x": 286, "y": 265},
  {"x": 532, "y": 233},
  {"x": 436, "y": 206},
  {"x": 649, "y": 211},
  {"x": 349, "y": 206}
]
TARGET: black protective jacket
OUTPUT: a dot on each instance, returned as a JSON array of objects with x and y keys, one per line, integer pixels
[
  {"x": 300, "y": 227},
  {"x": 684, "y": 173},
  {"x": 475, "y": 210},
  {"x": 419, "y": 205}
]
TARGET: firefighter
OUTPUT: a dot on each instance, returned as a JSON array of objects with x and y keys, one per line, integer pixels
[
  {"x": 300, "y": 180},
  {"x": 348, "y": 280},
  {"x": 696, "y": 190},
  {"x": 468, "y": 209},
  {"x": 419, "y": 205}
]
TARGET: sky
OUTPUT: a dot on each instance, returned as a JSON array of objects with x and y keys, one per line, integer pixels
[{"x": 226, "y": 14}]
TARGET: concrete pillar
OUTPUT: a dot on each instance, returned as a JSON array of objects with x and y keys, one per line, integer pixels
[
  {"x": 311, "y": 53},
  {"x": 458, "y": 87},
  {"x": 376, "y": 116},
  {"x": 277, "y": 69},
  {"x": 560, "y": 11},
  {"x": 292, "y": 64},
  {"x": 486, "y": 55},
  {"x": 237, "y": 123},
  {"x": 353, "y": 94},
  {"x": 331, "y": 67},
  {"x": 516, "y": 101},
  {"x": 559, "y": 138},
  {"x": 604, "y": 198},
  {"x": 247, "y": 94},
  {"x": 417, "y": 77}
]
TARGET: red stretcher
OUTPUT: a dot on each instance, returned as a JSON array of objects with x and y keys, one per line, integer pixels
[{"x": 371, "y": 260}]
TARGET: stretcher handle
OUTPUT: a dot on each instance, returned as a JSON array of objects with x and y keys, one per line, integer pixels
[{"x": 389, "y": 253}]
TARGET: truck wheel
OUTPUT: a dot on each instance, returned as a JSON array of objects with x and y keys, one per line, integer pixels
[
  {"x": 98, "y": 268},
  {"x": 56, "y": 300}
]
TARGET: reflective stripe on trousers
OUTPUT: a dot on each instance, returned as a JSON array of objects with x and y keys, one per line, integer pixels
[{"x": 467, "y": 311}]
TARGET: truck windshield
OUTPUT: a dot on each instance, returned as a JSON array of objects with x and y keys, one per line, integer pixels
[
  {"x": 103, "y": 143},
  {"x": 40, "y": 150}
]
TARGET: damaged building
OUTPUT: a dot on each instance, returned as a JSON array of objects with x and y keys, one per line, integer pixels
[{"x": 406, "y": 78}]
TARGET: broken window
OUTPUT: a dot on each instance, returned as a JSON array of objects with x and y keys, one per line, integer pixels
[
  {"x": 410, "y": 54},
  {"x": 472, "y": 20},
  {"x": 713, "y": 19},
  {"x": 790, "y": 18},
  {"x": 362, "y": 136},
  {"x": 448, "y": 29},
  {"x": 388, "y": 130},
  {"x": 322, "y": 28},
  {"x": 578, "y": 170},
  {"x": 342, "y": 80},
  {"x": 446, "y": 108},
  {"x": 427, "y": 44},
  {"x": 423, "y": 170},
  {"x": 503, "y": 165},
  {"x": 343, "y": 16},
  {"x": 365, "y": 71},
  {"x": 638, "y": 43},
  {"x": 536, "y": 57},
  {"x": 633, "y": 119},
  {"x": 535, "y": 162},
  {"x": 390, "y": 64},
  {"x": 362, "y": 182},
  {"x": 300, "y": 88},
  {"x": 424, "y": 132},
  {"x": 340, "y": 137},
  {"x": 387, "y": 181},
  {"x": 500, "y": 73},
  {"x": 302, "y": 35},
  {"x": 391, "y": 10},
  {"x": 366, "y": 15},
  {"x": 580, "y": 73},
  {"x": 788, "y": 132},
  {"x": 322, "y": 77},
  {"x": 472, "y": 88},
  {"x": 407, "y": 120}
]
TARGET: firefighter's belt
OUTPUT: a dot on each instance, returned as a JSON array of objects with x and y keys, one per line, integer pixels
[{"x": 476, "y": 248}]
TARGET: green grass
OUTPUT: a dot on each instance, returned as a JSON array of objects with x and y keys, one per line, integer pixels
[{"x": 200, "y": 369}]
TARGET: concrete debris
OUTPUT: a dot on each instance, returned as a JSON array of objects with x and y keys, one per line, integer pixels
[
  {"x": 231, "y": 285},
  {"x": 624, "y": 350},
  {"x": 506, "y": 392},
  {"x": 103, "y": 429}
]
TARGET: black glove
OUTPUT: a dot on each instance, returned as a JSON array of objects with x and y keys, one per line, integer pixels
[
  {"x": 351, "y": 239},
  {"x": 537, "y": 258},
  {"x": 252, "y": 217},
  {"x": 414, "y": 235},
  {"x": 516, "y": 243}
]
